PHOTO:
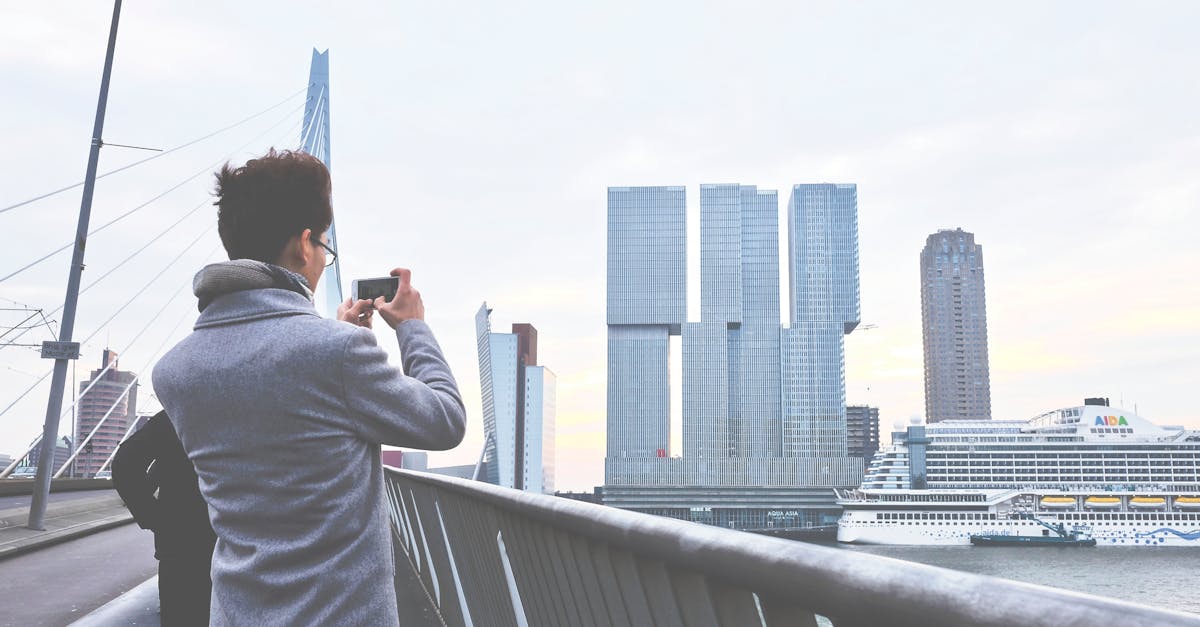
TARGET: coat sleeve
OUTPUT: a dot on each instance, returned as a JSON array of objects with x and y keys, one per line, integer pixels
[
  {"x": 419, "y": 407},
  {"x": 130, "y": 478}
]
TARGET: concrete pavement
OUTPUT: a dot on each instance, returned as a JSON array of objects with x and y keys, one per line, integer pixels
[
  {"x": 65, "y": 520},
  {"x": 60, "y": 584}
]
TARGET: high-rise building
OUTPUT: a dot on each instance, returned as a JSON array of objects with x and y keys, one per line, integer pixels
[
  {"x": 731, "y": 402},
  {"x": 519, "y": 407},
  {"x": 862, "y": 430},
  {"x": 647, "y": 303},
  {"x": 112, "y": 404},
  {"x": 737, "y": 468},
  {"x": 954, "y": 328},
  {"x": 824, "y": 306}
]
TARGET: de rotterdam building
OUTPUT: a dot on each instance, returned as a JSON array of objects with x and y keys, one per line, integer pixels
[{"x": 757, "y": 449}]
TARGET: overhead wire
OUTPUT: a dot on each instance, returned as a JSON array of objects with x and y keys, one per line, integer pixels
[
  {"x": 110, "y": 318},
  {"x": 146, "y": 286},
  {"x": 96, "y": 379},
  {"x": 156, "y": 156},
  {"x": 204, "y": 170}
]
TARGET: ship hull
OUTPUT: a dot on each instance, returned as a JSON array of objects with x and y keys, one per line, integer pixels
[{"x": 1105, "y": 534}]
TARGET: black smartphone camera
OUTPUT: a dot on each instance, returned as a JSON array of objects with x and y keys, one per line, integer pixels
[{"x": 370, "y": 289}]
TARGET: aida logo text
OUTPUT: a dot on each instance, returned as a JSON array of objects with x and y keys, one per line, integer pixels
[{"x": 1111, "y": 421}]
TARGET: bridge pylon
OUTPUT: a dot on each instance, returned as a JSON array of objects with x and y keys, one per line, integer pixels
[{"x": 314, "y": 139}]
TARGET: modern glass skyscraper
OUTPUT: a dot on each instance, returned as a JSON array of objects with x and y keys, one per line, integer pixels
[
  {"x": 738, "y": 467},
  {"x": 538, "y": 433},
  {"x": 954, "y": 328},
  {"x": 518, "y": 407},
  {"x": 824, "y": 305},
  {"x": 647, "y": 303},
  {"x": 731, "y": 401}
]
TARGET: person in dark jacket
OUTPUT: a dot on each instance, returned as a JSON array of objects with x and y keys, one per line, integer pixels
[{"x": 152, "y": 460}]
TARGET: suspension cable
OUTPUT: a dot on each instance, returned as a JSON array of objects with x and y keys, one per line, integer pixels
[
  {"x": 93, "y": 283},
  {"x": 148, "y": 284},
  {"x": 316, "y": 113},
  {"x": 144, "y": 247},
  {"x": 96, "y": 379},
  {"x": 110, "y": 319},
  {"x": 206, "y": 169},
  {"x": 161, "y": 154}
]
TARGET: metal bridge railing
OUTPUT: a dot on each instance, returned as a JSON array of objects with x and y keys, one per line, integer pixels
[{"x": 493, "y": 556}]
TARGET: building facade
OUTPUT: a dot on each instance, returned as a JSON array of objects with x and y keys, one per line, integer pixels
[
  {"x": 824, "y": 307},
  {"x": 647, "y": 303},
  {"x": 731, "y": 367},
  {"x": 519, "y": 407},
  {"x": 862, "y": 430},
  {"x": 737, "y": 468},
  {"x": 110, "y": 404},
  {"x": 954, "y": 328}
]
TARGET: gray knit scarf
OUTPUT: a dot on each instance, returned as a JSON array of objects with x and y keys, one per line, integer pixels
[{"x": 222, "y": 278}]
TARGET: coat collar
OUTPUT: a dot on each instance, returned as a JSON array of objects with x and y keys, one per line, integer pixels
[{"x": 255, "y": 304}]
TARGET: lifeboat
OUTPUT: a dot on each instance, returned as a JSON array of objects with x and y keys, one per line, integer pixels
[
  {"x": 1145, "y": 502},
  {"x": 1058, "y": 502},
  {"x": 1102, "y": 501},
  {"x": 1187, "y": 502}
]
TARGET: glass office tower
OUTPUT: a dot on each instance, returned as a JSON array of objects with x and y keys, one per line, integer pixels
[
  {"x": 519, "y": 400},
  {"x": 731, "y": 400},
  {"x": 824, "y": 306},
  {"x": 647, "y": 303}
]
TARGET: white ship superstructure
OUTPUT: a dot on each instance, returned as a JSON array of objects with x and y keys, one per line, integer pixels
[{"x": 1094, "y": 467}]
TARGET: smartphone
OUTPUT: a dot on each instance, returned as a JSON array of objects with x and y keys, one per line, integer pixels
[{"x": 370, "y": 289}]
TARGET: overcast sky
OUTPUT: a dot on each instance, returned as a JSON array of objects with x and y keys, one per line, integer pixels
[{"x": 473, "y": 143}]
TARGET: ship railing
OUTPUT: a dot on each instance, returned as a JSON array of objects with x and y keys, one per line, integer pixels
[{"x": 487, "y": 555}]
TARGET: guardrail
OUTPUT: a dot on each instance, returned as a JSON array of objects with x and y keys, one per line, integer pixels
[{"x": 493, "y": 556}]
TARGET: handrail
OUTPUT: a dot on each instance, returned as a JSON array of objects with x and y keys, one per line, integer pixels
[{"x": 492, "y": 555}]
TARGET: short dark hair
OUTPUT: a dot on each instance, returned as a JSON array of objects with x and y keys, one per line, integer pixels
[{"x": 271, "y": 199}]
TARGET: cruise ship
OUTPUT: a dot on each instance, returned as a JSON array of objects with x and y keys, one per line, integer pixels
[{"x": 1094, "y": 469}]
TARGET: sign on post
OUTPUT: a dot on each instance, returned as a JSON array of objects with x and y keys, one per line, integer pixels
[{"x": 60, "y": 350}]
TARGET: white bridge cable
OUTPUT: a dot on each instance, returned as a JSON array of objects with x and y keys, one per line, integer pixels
[
  {"x": 157, "y": 155},
  {"x": 206, "y": 169},
  {"x": 128, "y": 302},
  {"x": 316, "y": 115},
  {"x": 144, "y": 247},
  {"x": 151, "y": 282},
  {"x": 96, "y": 379},
  {"x": 115, "y": 314},
  {"x": 93, "y": 283}
]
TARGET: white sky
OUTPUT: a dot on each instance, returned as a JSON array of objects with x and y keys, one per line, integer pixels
[{"x": 474, "y": 142}]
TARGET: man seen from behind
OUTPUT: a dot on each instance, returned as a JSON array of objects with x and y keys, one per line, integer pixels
[{"x": 283, "y": 412}]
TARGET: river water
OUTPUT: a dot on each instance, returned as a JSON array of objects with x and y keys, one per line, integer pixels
[{"x": 1161, "y": 577}]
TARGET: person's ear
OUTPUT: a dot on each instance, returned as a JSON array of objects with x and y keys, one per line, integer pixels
[{"x": 306, "y": 246}]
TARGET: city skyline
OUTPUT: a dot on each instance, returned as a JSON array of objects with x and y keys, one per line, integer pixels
[{"x": 955, "y": 116}]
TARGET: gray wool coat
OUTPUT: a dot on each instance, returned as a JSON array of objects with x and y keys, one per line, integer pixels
[{"x": 282, "y": 413}]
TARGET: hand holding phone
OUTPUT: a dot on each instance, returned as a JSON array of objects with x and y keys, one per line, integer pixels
[
  {"x": 356, "y": 312},
  {"x": 370, "y": 289},
  {"x": 405, "y": 304}
]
